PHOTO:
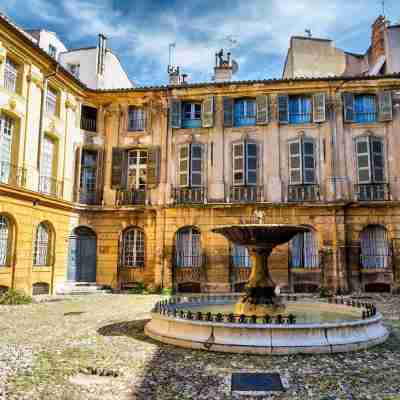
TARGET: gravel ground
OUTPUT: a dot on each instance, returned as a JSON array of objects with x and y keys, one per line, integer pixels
[{"x": 93, "y": 347}]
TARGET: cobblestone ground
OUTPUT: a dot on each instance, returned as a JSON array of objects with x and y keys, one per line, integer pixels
[{"x": 93, "y": 347}]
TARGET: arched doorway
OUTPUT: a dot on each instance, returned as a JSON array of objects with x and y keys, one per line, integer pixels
[{"x": 82, "y": 255}]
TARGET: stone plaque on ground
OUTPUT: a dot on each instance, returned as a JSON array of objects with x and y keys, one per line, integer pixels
[{"x": 256, "y": 383}]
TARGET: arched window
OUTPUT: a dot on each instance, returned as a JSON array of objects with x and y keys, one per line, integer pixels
[
  {"x": 375, "y": 247},
  {"x": 240, "y": 257},
  {"x": 188, "y": 248},
  {"x": 4, "y": 240},
  {"x": 304, "y": 251},
  {"x": 133, "y": 248},
  {"x": 42, "y": 245}
]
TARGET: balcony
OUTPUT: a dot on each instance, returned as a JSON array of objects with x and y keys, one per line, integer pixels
[
  {"x": 246, "y": 194},
  {"x": 11, "y": 174},
  {"x": 185, "y": 195},
  {"x": 372, "y": 192},
  {"x": 303, "y": 193},
  {"x": 50, "y": 186},
  {"x": 126, "y": 197},
  {"x": 91, "y": 198}
]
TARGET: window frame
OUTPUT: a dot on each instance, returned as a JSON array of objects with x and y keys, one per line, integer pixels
[
  {"x": 245, "y": 171},
  {"x": 5, "y": 240},
  {"x": 193, "y": 117},
  {"x": 138, "y": 127},
  {"x": 369, "y": 140},
  {"x": 40, "y": 260},
  {"x": 301, "y": 113},
  {"x": 11, "y": 68},
  {"x": 194, "y": 248},
  {"x": 248, "y": 116},
  {"x": 302, "y": 161},
  {"x": 190, "y": 160},
  {"x": 357, "y": 114},
  {"x": 52, "y": 101},
  {"x": 137, "y": 255}
]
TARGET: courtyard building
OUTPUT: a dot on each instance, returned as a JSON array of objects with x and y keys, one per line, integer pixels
[{"x": 104, "y": 182}]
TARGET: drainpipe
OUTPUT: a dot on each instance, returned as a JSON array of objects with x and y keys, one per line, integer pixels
[{"x": 42, "y": 101}]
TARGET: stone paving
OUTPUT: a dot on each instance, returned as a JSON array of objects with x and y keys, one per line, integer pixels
[{"x": 93, "y": 347}]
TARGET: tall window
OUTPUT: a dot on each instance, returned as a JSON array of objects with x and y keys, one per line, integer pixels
[
  {"x": 370, "y": 160},
  {"x": 191, "y": 117},
  {"x": 88, "y": 171},
  {"x": 304, "y": 251},
  {"x": 137, "y": 169},
  {"x": 42, "y": 245},
  {"x": 191, "y": 165},
  {"x": 47, "y": 166},
  {"x": 300, "y": 109},
  {"x": 302, "y": 162},
  {"x": 133, "y": 248},
  {"x": 10, "y": 75},
  {"x": 188, "y": 248},
  {"x": 240, "y": 257},
  {"x": 6, "y": 139},
  {"x": 245, "y": 112},
  {"x": 245, "y": 156},
  {"x": 365, "y": 108},
  {"x": 136, "y": 119},
  {"x": 52, "y": 51},
  {"x": 51, "y": 101},
  {"x": 4, "y": 240},
  {"x": 375, "y": 247},
  {"x": 89, "y": 118}
]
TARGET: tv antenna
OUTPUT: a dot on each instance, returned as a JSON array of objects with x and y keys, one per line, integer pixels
[
  {"x": 308, "y": 31},
  {"x": 383, "y": 7}
]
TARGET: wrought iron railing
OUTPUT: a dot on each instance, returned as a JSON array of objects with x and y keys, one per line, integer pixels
[
  {"x": 246, "y": 194},
  {"x": 89, "y": 124},
  {"x": 125, "y": 197},
  {"x": 301, "y": 193},
  {"x": 88, "y": 197},
  {"x": 11, "y": 174},
  {"x": 50, "y": 186},
  {"x": 186, "y": 195},
  {"x": 372, "y": 191}
]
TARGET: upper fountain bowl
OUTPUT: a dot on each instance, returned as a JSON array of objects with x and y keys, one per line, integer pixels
[{"x": 260, "y": 235}]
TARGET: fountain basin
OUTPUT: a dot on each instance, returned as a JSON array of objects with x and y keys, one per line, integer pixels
[{"x": 345, "y": 331}]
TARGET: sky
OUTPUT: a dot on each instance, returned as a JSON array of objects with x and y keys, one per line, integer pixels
[{"x": 256, "y": 31}]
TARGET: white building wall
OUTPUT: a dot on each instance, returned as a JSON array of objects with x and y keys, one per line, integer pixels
[{"x": 46, "y": 38}]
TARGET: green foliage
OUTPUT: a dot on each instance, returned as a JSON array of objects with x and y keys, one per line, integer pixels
[
  {"x": 324, "y": 292},
  {"x": 166, "y": 292},
  {"x": 139, "y": 288},
  {"x": 13, "y": 297}
]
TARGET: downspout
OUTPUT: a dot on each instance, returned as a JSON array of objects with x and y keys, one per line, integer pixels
[
  {"x": 28, "y": 93},
  {"x": 65, "y": 151}
]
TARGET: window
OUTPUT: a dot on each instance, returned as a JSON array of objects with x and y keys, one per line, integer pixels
[
  {"x": 4, "y": 240},
  {"x": 302, "y": 162},
  {"x": 10, "y": 75},
  {"x": 52, "y": 51},
  {"x": 137, "y": 169},
  {"x": 133, "y": 248},
  {"x": 240, "y": 257},
  {"x": 191, "y": 165},
  {"x": 245, "y": 112},
  {"x": 245, "y": 160},
  {"x": 47, "y": 183},
  {"x": 42, "y": 245},
  {"x": 6, "y": 140},
  {"x": 191, "y": 117},
  {"x": 74, "y": 69},
  {"x": 51, "y": 101},
  {"x": 375, "y": 247},
  {"x": 136, "y": 119},
  {"x": 188, "y": 248},
  {"x": 370, "y": 160},
  {"x": 88, "y": 171},
  {"x": 364, "y": 108},
  {"x": 89, "y": 118},
  {"x": 304, "y": 251},
  {"x": 299, "y": 109}
]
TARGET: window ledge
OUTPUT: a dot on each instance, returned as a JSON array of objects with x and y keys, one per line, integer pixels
[
  {"x": 41, "y": 268},
  {"x": 364, "y": 125}
]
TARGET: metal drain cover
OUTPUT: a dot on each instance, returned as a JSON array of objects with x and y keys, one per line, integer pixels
[{"x": 256, "y": 383}]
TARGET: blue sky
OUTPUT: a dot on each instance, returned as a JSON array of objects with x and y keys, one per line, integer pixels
[{"x": 259, "y": 30}]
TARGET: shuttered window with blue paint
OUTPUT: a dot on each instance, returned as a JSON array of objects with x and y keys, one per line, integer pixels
[
  {"x": 364, "y": 108},
  {"x": 245, "y": 112},
  {"x": 300, "y": 109},
  {"x": 191, "y": 116}
]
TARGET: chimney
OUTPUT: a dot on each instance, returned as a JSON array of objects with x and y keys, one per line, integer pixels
[
  {"x": 223, "y": 67},
  {"x": 101, "y": 54},
  {"x": 378, "y": 39}
]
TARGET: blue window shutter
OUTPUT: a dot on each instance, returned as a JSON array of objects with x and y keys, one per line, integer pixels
[
  {"x": 251, "y": 163},
  {"x": 228, "y": 111},
  {"x": 175, "y": 113},
  {"x": 348, "y": 107},
  {"x": 283, "y": 108}
]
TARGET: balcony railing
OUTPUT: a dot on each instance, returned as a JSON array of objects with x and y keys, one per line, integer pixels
[
  {"x": 246, "y": 194},
  {"x": 11, "y": 174},
  {"x": 301, "y": 193},
  {"x": 50, "y": 186},
  {"x": 125, "y": 197},
  {"x": 89, "y": 197},
  {"x": 88, "y": 124},
  {"x": 372, "y": 192},
  {"x": 194, "y": 195}
]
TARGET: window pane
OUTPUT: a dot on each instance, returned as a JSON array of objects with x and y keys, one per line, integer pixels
[
  {"x": 252, "y": 177},
  {"x": 363, "y": 161},
  {"x": 252, "y": 150},
  {"x": 238, "y": 151},
  {"x": 183, "y": 165},
  {"x": 252, "y": 163},
  {"x": 184, "y": 152},
  {"x": 196, "y": 179},
  {"x": 378, "y": 160},
  {"x": 377, "y": 146},
  {"x": 309, "y": 162},
  {"x": 295, "y": 176},
  {"x": 362, "y": 147},
  {"x": 196, "y": 165},
  {"x": 4, "y": 238},
  {"x": 294, "y": 162},
  {"x": 309, "y": 176},
  {"x": 378, "y": 174},
  {"x": 309, "y": 148},
  {"x": 238, "y": 163},
  {"x": 363, "y": 175},
  {"x": 196, "y": 151},
  {"x": 183, "y": 179},
  {"x": 238, "y": 177},
  {"x": 294, "y": 148}
]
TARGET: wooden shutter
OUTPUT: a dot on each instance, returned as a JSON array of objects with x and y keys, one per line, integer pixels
[
  {"x": 377, "y": 160},
  {"x": 228, "y": 111},
  {"x": 348, "y": 107},
  {"x": 295, "y": 167},
  {"x": 251, "y": 163},
  {"x": 238, "y": 163},
  {"x": 319, "y": 107},
  {"x": 196, "y": 164},
  {"x": 262, "y": 110},
  {"x": 363, "y": 160},
  {"x": 184, "y": 160},
  {"x": 385, "y": 109},
  {"x": 283, "y": 108},
  {"x": 308, "y": 161},
  {"x": 117, "y": 167},
  {"x": 207, "y": 112},
  {"x": 153, "y": 166},
  {"x": 175, "y": 113}
]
